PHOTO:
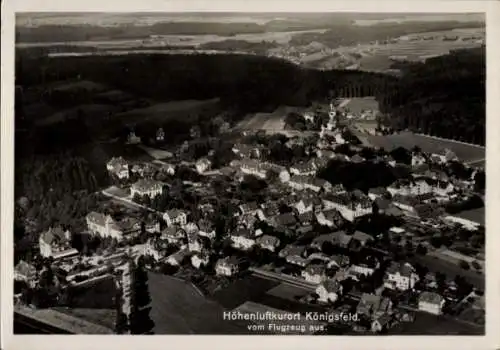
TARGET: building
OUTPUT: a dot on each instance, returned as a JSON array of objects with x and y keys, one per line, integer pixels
[
  {"x": 206, "y": 228},
  {"x": 248, "y": 208},
  {"x": 407, "y": 204},
  {"x": 361, "y": 238},
  {"x": 443, "y": 157},
  {"x": 105, "y": 226},
  {"x": 173, "y": 234},
  {"x": 228, "y": 266},
  {"x": 330, "y": 218},
  {"x": 304, "y": 206},
  {"x": 118, "y": 167},
  {"x": 381, "y": 323},
  {"x": 25, "y": 272},
  {"x": 261, "y": 169},
  {"x": 270, "y": 243},
  {"x": 339, "y": 238},
  {"x": 152, "y": 225},
  {"x": 306, "y": 182},
  {"x": 304, "y": 169},
  {"x": 371, "y": 305},
  {"x": 243, "y": 239},
  {"x": 431, "y": 302},
  {"x": 378, "y": 192},
  {"x": 410, "y": 188},
  {"x": 146, "y": 187},
  {"x": 362, "y": 269},
  {"x": 177, "y": 258},
  {"x": 168, "y": 168},
  {"x": 160, "y": 135},
  {"x": 200, "y": 259},
  {"x": 314, "y": 273},
  {"x": 56, "y": 243},
  {"x": 156, "y": 248},
  {"x": 401, "y": 276},
  {"x": 357, "y": 159},
  {"x": 175, "y": 217},
  {"x": 348, "y": 205},
  {"x": 417, "y": 159},
  {"x": 194, "y": 242},
  {"x": 203, "y": 165},
  {"x": 329, "y": 291},
  {"x": 133, "y": 139}
]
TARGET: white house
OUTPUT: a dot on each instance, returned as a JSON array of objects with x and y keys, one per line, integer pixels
[
  {"x": 227, "y": 266},
  {"x": 200, "y": 259},
  {"x": 417, "y": 160},
  {"x": 329, "y": 291},
  {"x": 303, "y": 169},
  {"x": 177, "y": 259},
  {"x": 203, "y": 165},
  {"x": 105, "y": 226},
  {"x": 175, "y": 217},
  {"x": 206, "y": 229},
  {"x": 243, "y": 239},
  {"x": 431, "y": 302},
  {"x": 56, "y": 243},
  {"x": 362, "y": 269},
  {"x": 146, "y": 187},
  {"x": 118, "y": 167},
  {"x": 401, "y": 276},
  {"x": 347, "y": 205},
  {"x": 314, "y": 273},
  {"x": 268, "y": 242}
]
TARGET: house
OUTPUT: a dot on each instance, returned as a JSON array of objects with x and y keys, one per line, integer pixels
[
  {"x": 203, "y": 165},
  {"x": 377, "y": 192},
  {"x": 329, "y": 291},
  {"x": 325, "y": 154},
  {"x": 146, "y": 187},
  {"x": 206, "y": 228},
  {"x": 247, "y": 221},
  {"x": 168, "y": 168},
  {"x": 248, "y": 208},
  {"x": 416, "y": 187},
  {"x": 443, "y": 157},
  {"x": 305, "y": 182},
  {"x": 401, "y": 276},
  {"x": 194, "y": 243},
  {"x": 156, "y": 248},
  {"x": 228, "y": 266},
  {"x": 362, "y": 269},
  {"x": 152, "y": 225},
  {"x": 297, "y": 260},
  {"x": 443, "y": 188},
  {"x": 270, "y": 243},
  {"x": 431, "y": 302},
  {"x": 261, "y": 169},
  {"x": 407, "y": 204},
  {"x": 248, "y": 151},
  {"x": 361, "y": 238},
  {"x": 160, "y": 135},
  {"x": 390, "y": 160},
  {"x": 177, "y": 258},
  {"x": 173, "y": 234},
  {"x": 25, "y": 272},
  {"x": 417, "y": 159},
  {"x": 105, "y": 226},
  {"x": 330, "y": 218},
  {"x": 348, "y": 205},
  {"x": 340, "y": 261},
  {"x": 284, "y": 221},
  {"x": 339, "y": 238},
  {"x": 133, "y": 139},
  {"x": 291, "y": 250},
  {"x": 304, "y": 169},
  {"x": 314, "y": 273},
  {"x": 200, "y": 259},
  {"x": 56, "y": 243},
  {"x": 371, "y": 305},
  {"x": 381, "y": 323},
  {"x": 175, "y": 217},
  {"x": 118, "y": 167},
  {"x": 309, "y": 116},
  {"x": 306, "y": 219},
  {"x": 242, "y": 239},
  {"x": 304, "y": 206}
]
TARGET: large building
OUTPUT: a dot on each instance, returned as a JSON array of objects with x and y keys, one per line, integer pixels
[
  {"x": 118, "y": 167},
  {"x": 56, "y": 243},
  {"x": 105, "y": 226},
  {"x": 146, "y": 187}
]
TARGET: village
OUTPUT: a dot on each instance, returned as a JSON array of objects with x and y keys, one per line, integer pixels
[{"x": 375, "y": 252}]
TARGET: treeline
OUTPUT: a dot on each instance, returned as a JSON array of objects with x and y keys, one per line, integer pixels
[
  {"x": 445, "y": 97},
  {"x": 240, "y": 45},
  {"x": 250, "y": 83},
  {"x": 341, "y": 35}
]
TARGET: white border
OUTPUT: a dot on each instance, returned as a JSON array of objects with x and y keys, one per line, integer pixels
[{"x": 53, "y": 342}]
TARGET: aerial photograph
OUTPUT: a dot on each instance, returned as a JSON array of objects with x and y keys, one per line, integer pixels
[{"x": 231, "y": 173}]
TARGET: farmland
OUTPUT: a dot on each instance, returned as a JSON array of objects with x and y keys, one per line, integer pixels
[
  {"x": 95, "y": 111},
  {"x": 270, "y": 122}
]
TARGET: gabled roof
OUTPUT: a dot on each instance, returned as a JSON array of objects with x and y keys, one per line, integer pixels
[
  {"x": 146, "y": 185},
  {"x": 404, "y": 269},
  {"x": 268, "y": 240},
  {"x": 53, "y": 235},
  {"x": 430, "y": 297}
]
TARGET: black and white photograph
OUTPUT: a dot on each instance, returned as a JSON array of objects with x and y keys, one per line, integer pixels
[{"x": 249, "y": 173}]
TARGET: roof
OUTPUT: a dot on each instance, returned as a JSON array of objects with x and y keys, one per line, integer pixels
[
  {"x": 243, "y": 232},
  {"x": 306, "y": 217},
  {"x": 361, "y": 236},
  {"x": 357, "y": 158},
  {"x": 268, "y": 240},
  {"x": 430, "y": 297},
  {"x": 229, "y": 260},
  {"x": 315, "y": 269},
  {"x": 247, "y": 207},
  {"x": 25, "y": 269},
  {"x": 404, "y": 269},
  {"x": 117, "y": 162},
  {"x": 336, "y": 238},
  {"x": 53, "y": 235},
  {"x": 146, "y": 184},
  {"x": 378, "y": 191},
  {"x": 206, "y": 225},
  {"x": 173, "y": 232},
  {"x": 332, "y": 286},
  {"x": 286, "y": 219},
  {"x": 292, "y": 249},
  {"x": 174, "y": 213}
]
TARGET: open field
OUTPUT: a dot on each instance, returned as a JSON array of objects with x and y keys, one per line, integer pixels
[
  {"x": 271, "y": 122},
  {"x": 93, "y": 111},
  {"x": 156, "y": 153},
  {"x": 102, "y": 317},
  {"x": 464, "y": 152},
  {"x": 358, "y": 104},
  {"x": 178, "y": 308},
  {"x": 287, "y": 291},
  {"x": 164, "y": 111}
]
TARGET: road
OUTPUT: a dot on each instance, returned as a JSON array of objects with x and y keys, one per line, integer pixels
[{"x": 296, "y": 282}]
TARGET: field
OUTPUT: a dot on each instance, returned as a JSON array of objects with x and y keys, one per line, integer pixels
[
  {"x": 476, "y": 215},
  {"x": 93, "y": 111},
  {"x": 270, "y": 122},
  {"x": 178, "y": 308},
  {"x": 359, "y": 104},
  {"x": 156, "y": 153},
  {"x": 288, "y": 292},
  {"x": 465, "y": 152},
  {"x": 164, "y": 111}
]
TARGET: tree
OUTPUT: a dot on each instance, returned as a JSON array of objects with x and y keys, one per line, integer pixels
[
  {"x": 421, "y": 249},
  {"x": 464, "y": 265},
  {"x": 140, "y": 321}
]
